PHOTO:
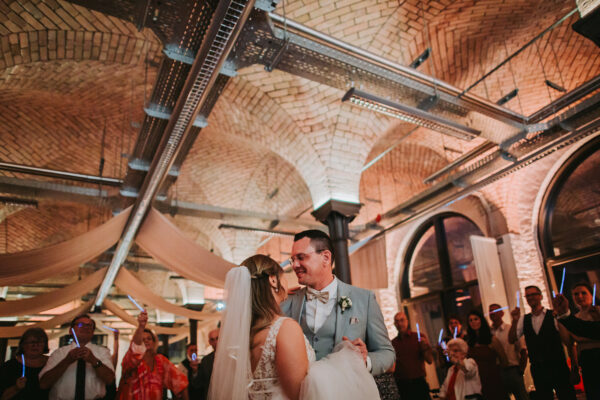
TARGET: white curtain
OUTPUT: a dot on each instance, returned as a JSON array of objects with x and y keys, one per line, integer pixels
[{"x": 489, "y": 272}]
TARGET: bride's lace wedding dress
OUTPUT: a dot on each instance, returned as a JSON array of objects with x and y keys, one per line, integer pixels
[{"x": 341, "y": 375}]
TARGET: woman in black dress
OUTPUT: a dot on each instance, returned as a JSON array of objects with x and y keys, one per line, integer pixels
[{"x": 13, "y": 385}]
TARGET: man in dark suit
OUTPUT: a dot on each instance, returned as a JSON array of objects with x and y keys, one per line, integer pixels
[{"x": 205, "y": 368}]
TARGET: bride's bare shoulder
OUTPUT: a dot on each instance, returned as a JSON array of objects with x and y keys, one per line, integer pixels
[{"x": 290, "y": 330}]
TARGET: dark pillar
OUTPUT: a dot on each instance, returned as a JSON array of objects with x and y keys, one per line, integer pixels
[
  {"x": 193, "y": 331},
  {"x": 194, "y": 323},
  {"x": 163, "y": 340},
  {"x": 337, "y": 215}
]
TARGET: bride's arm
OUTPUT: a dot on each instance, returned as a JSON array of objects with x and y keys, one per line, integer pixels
[{"x": 290, "y": 358}]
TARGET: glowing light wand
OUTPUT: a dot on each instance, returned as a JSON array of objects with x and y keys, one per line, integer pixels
[
  {"x": 418, "y": 333},
  {"x": 109, "y": 328},
  {"x": 75, "y": 337},
  {"x": 455, "y": 331},
  {"x": 135, "y": 303},
  {"x": 23, "y": 359},
  {"x": 562, "y": 283},
  {"x": 499, "y": 309},
  {"x": 194, "y": 356},
  {"x": 518, "y": 299},
  {"x": 594, "y": 296},
  {"x": 440, "y": 337}
]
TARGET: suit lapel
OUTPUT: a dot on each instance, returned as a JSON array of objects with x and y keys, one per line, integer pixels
[
  {"x": 297, "y": 304},
  {"x": 341, "y": 318}
]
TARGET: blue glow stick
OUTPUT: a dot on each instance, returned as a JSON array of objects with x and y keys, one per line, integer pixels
[
  {"x": 445, "y": 347},
  {"x": 562, "y": 284},
  {"x": 109, "y": 328},
  {"x": 455, "y": 331},
  {"x": 194, "y": 356},
  {"x": 553, "y": 294},
  {"x": 418, "y": 333},
  {"x": 135, "y": 303},
  {"x": 499, "y": 309},
  {"x": 75, "y": 337},
  {"x": 518, "y": 299},
  {"x": 440, "y": 337},
  {"x": 23, "y": 359},
  {"x": 594, "y": 296}
]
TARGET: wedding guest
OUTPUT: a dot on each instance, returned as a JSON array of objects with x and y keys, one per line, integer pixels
[
  {"x": 588, "y": 329},
  {"x": 544, "y": 338},
  {"x": 516, "y": 355},
  {"x": 489, "y": 355},
  {"x": 33, "y": 345},
  {"x": 145, "y": 372},
  {"x": 454, "y": 327},
  {"x": 411, "y": 355},
  {"x": 588, "y": 349},
  {"x": 81, "y": 369},
  {"x": 206, "y": 365},
  {"x": 189, "y": 367},
  {"x": 463, "y": 377}
]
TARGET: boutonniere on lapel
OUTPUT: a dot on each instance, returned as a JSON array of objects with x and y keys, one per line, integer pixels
[{"x": 345, "y": 303}]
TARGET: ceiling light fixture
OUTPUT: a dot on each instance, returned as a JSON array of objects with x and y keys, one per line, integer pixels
[
  {"x": 421, "y": 59},
  {"x": 410, "y": 114},
  {"x": 511, "y": 95},
  {"x": 16, "y": 202},
  {"x": 270, "y": 232}
]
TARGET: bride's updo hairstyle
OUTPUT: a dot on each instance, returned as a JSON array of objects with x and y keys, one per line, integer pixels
[{"x": 264, "y": 306}]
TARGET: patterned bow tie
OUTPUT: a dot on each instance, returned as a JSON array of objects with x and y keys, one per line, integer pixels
[{"x": 311, "y": 294}]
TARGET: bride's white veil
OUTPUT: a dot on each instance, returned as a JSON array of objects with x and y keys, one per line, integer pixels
[{"x": 231, "y": 370}]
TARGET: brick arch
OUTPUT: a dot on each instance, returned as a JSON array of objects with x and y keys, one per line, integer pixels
[
  {"x": 247, "y": 114},
  {"x": 54, "y": 45},
  {"x": 55, "y": 114}
]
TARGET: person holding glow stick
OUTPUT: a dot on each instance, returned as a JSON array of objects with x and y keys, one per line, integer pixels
[
  {"x": 454, "y": 325},
  {"x": 588, "y": 349},
  {"x": 516, "y": 354},
  {"x": 81, "y": 369},
  {"x": 19, "y": 376},
  {"x": 412, "y": 352},
  {"x": 189, "y": 367},
  {"x": 146, "y": 374},
  {"x": 488, "y": 353},
  {"x": 544, "y": 338}
]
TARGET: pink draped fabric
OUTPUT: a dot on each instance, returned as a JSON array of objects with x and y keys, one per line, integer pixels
[
  {"x": 17, "y": 331},
  {"x": 126, "y": 317},
  {"x": 162, "y": 240},
  {"x": 368, "y": 265},
  {"x": 129, "y": 284},
  {"x": 35, "y": 265},
  {"x": 47, "y": 301}
]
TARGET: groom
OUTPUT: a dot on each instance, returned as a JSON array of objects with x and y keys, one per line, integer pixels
[{"x": 329, "y": 310}]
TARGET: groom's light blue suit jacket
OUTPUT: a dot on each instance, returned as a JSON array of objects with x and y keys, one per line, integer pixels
[{"x": 363, "y": 320}]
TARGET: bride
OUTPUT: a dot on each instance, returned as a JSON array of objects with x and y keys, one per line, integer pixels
[{"x": 263, "y": 355}]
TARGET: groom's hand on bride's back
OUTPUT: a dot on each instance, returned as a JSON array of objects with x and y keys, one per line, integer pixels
[{"x": 360, "y": 346}]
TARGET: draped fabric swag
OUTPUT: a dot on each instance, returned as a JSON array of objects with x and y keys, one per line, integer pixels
[
  {"x": 126, "y": 317},
  {"x": 160, "y": 238},
  {"x": 368, "y": 265},
  {"x": 47, "y": 301},
  {"x": 35, "y": 265},
  {"x": 16, "y": 331},
  {"x": 128, "y": 283}
]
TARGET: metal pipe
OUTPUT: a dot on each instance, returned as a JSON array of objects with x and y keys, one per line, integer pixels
[
  {"x": 460, "y": 161},
  {"x": 218, "y": 42},
  {"x": 476, "y": 103},
  {"x": 53, "y": 173}
]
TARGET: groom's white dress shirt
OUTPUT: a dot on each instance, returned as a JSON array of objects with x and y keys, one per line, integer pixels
[{"x": 316, "y": 311}]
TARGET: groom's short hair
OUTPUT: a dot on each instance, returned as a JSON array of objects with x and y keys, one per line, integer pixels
[{"x": 318, "y": 239}]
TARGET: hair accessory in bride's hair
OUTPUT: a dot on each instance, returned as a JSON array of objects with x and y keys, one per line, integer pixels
[{"x": 258, "y": 275}]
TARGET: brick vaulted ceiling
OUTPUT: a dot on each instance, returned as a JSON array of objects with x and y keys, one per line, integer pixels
[{"x": 74, "y": 82}]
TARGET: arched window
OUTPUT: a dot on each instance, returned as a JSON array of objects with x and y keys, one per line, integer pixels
[
  {"x": 439, "y": 277},
  {"x": 569, "y": 224}
]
